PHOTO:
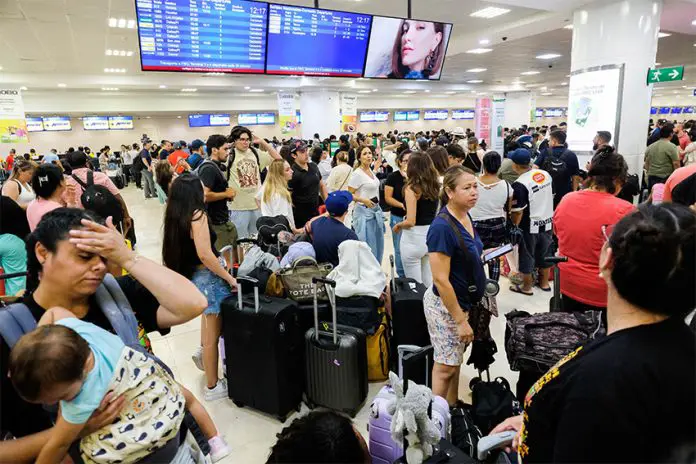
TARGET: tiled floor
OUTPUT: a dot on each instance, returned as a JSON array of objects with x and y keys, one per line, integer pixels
[{"x": 250, "y": 433}]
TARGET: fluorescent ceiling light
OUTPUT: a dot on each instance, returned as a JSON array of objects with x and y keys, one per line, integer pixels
[
  {"x": 564, "y": 83},
  {"x": 658, "y": 64},
  {"x": 693, "y": 23},
  {"x": 568, "y": 26},
  {"x": 115, "y": 70},
  {"x": 24, "y": 88},
  {"x": 162, "y": 86},
  {"x": 214, "y": 74},
  {"x": 178, "y": 117},
  {"x": 546, "y": 94},
  {"x": 256, "y": 90},
  {"x": 517, "y": 82},
  {"x": 364, "y": 91},
  {"x": 451, "y": 92},
  {"x": 189, "y": 89},
  {"x": 247, "y": 87},
  {"x": 479, "y": 51},
  {"x": 109, "y": 52},
  {"x": 122, "y": 23},
  {"x": 409, "y": 92},
  {"x": 476, "y": 70},
  {"x": 530, "y": 73},
  {"x": 62, "y": 85},
  {"x": 375, "y": 90},
  {"x": 131, "y": 24},
  {"x": 548, "y": 56},
  {"x": 110, "y": 89},
  {"x": 484, "y": 42},
  {"x": 148, "y": 117},
  {"x": 489, "y": 12},
  {"x": 427, "y": 91},
  {"x": 663, "y": 34},
  {"x": 474, "y": 81},
  {"x": 113, "y": 22}
]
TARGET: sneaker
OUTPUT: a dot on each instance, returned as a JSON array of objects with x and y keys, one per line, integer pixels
[
  {"x": 197, "y": 358},
  {"x": 218, "y": 392},
  {"x": 218, "y": 448}
]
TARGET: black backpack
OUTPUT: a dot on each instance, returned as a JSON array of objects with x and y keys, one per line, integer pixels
[
  {"x": 492, "y": 402},
  {"x": 557, "y": 169},
  {"x": 100, "y": 200}
]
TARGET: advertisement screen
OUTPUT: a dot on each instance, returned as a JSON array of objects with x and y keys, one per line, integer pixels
[
  {"x": 406, "y": 48},
  {"x": 311, "y": 42},
  {"x": 35, "y": 125},
  {"x": 120, "y": 122},
  {"x": 463, "y": 114},
  {"x": 95, "y": 122},
  {"x": 202, "y": 35},
  {"x": 593, "y": 102},
  {"x": 413, "y": 116},
  {"x": 57, "y": 123}
]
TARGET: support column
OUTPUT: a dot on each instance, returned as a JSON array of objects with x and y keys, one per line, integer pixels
[
  {"x": 618, "y": 33},
  {"x": 320, "y": 113},
  {"x": 519, "y": 107}
]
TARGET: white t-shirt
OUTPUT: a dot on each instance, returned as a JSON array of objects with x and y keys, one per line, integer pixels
[
  {"x": 364, "y": 185},
  {"x": 128, "y": 156},
  {"x": 278, "y": 206},
  {"x": 491, "y": 201}
]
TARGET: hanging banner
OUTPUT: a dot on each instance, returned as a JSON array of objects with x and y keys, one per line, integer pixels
[
  {"x": 497, "y": 142},
  {"x": 13, "y": 123},
  {"x": 349, "y": 112},
  {"x": 482, "y": 119},
  {"x": 532, "y": 110},
  {"x": 287, "y": 114}
]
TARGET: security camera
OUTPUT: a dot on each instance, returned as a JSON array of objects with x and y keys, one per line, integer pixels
[{"x": 504, "y": 38}]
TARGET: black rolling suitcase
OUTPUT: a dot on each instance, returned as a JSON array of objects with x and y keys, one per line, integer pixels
[
  {"x": 263, "y": 351},
  {"x": 335, "y": 362},
  {"x": 408, "y": 319}
]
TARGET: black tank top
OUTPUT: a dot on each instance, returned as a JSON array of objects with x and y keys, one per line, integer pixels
[
  {"x": 426, "y": 210},
  {"x": 472, "y": 162},
  {"x": 189, "y": 256}
]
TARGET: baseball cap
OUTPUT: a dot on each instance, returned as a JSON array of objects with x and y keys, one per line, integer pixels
[
  {"x": 145, "y": 140},
  {"x": 337, "y": 202},
  {"x": 458, "y": 132},
  {"x": 299, "y": 146},
  {"x": 177, "y": 146},
  {"x": 196, "y": 144},
  {"x": 520, "y": 156}
]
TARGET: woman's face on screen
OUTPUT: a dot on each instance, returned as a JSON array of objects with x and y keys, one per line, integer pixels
[{"x": 418, "y": 40}]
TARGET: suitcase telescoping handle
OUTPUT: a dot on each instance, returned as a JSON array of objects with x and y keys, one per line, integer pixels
[
  {"x": 412, "y": 354},
  {"x": 555, "y": 261},
  {"x": 255, "y": 284},
  {"x": 330, "y": 289},
  {"x": 392, "y": 272}
]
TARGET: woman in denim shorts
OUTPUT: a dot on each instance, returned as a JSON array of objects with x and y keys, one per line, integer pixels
[
  {"x": 188, "y": 249},
  {"x": 454, "y": 250}
]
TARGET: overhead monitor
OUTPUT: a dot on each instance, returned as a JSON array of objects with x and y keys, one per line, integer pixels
[
  {"x": 367, "y": 116},
  {"x": 208, "y": 120},
  {"x": 35, "y": 125},
  {"x": 406, "y": 48},
  {"x": 677, "y": 110},
  {"x": 299, "y": 116},
  {"x": 539, "y": 112},
  {"x": 463, "y": 114},
  {"x": 400, "y": 115},
  {"x": 653, "y": 110},
  {"x": 413, "y": 116},
  {"x": 247, "y": 119},
  {"x": 57, "y": 123},
  {"x": 689, "y": 109},
  {"x": 265, "y": 119},
  {"x": 593, "y": 105},
  {"x": 664, "y": 110},
  {"x": 226, "y": 36},
  {"x": 313, "y": 42},
  {"x": 95, "y": 123},
  {"x": 381, "y": 116},
  {"x": 120, "y": 122},
  {"x": 435, "y": 115}
]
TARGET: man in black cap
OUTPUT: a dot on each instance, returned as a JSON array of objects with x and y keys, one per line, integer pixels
[
  {"x": 306, "y": 185},
  {"x": 328, "y": 230}
]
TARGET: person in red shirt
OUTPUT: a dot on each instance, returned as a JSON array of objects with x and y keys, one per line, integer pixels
[
  {"x": 578, "y": 222},
  {"x": 177, "y": 159},
  {"x": 10, "y": 160},
  {"x": 684, "y": 139},
  {"x": 675, "y": 178}
]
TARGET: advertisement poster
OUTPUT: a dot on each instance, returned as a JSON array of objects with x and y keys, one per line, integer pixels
[
  {"x": 497, "y": 141},
  {"x": 349, "y": 112},
  {"x": 482, "y": 119},
  {"x": 593, "y": 105},
  {"x": 532, "y": 110},
  {"x": 13, "y": 123},
  {"x": 287, "y": 113}
]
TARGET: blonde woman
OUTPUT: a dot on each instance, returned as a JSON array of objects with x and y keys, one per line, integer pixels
[
  {"x": 274, "y": 198},
  {"x": 18, "y": 186}
]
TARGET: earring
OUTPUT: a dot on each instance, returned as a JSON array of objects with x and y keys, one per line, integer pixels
[{"x": 431, "y": 61}]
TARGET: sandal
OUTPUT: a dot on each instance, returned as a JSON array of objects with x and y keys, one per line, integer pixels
[
  {"x": 517, "y": 289},
  {"x": 548, "y": 289}
]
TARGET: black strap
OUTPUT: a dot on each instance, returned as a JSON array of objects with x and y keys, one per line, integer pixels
[
  {"x": 469, "y": 260},
  {"x": 79, "y": 181}
]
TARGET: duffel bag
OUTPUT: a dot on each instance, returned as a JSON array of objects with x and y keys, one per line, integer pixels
[
  {"x": 297, "y": 280},
  {"x": 536, "y": 342}
]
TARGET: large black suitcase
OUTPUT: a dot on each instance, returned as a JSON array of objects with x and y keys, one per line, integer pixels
[
  {"x": 336, "y": 362},
  {"x": 263, "y": 350},
  {"x": 408, "y": 319}
]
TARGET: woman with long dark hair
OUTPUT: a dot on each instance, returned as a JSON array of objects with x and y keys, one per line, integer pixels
[
  {"x": 394, "y": 197},
  {"x": 368, "y": 219},
  {"x": 419, "y": 49},
  {"x": 421, "y": 194},
  {"x": 188, "y": 249}
]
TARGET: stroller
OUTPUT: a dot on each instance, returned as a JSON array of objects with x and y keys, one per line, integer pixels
[{"x": 115, "y": 172}]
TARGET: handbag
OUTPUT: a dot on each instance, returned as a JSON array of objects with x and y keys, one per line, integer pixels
[
  {"x": 536, "y": 342},
  {"x": 513, "y": 234},
  {"x": 297, "y": 279}
]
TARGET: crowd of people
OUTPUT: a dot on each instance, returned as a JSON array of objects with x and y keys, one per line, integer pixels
[{"x": 448, "y": 198}]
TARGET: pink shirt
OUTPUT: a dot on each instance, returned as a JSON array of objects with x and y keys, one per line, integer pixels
[
  {"x": 99, "y": 179},
  {"x": 36, "y": 210},
  {"x": 578, "y": 222},
  {"x": 676, "y": 177},
  {"x": 658, "y": 192}
]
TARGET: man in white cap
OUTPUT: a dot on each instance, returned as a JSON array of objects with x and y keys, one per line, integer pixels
[{"x": 459, "y": 137}]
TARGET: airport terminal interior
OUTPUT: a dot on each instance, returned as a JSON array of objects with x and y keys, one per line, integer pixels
[{"x": 109, "y": 85}]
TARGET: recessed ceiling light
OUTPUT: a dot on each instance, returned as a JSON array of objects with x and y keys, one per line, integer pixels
[
  {"x": 364, "y": 91},
  {"x": 114, "y": 70},
  {"x": 663, "y": 34},
  {"x": 148, "y": 117},
  {"x": 484, "y": 42},
  {"x": 479, "y": 51},
  {"x": 564, "y": 83},
  {"x": 530, "y": 73},
  {"x": 476, "y": 70},
  {"x": 178, "y": 117},
  {"x": 427, "y": 91},
  {"x": 474, "y": 81},
  {"x": 409, "y": 92},
  {"x": 451, "y": 92},
  {"x": 62, "y": 85},
  {"x": 247, "y": 87},
  {"x": 189, "y": 89},
  {"x": 658, "y": 64},
  {"x": 122, "y": 23},
  {"x": 693, "y": 23},
  {"x": 546, "y": 94},
  {"x": 568, "y": 26},
  {"x": 517, "y": 82},
  {"x": 256, "y": 90},
  {"x": 24, "y": 88},
  {"x": 548, "y": 56},
  {"x": 129, "y": 53},
  {"x": 375, "y": 90},
  {"x": 162, "y": 86},
  {"x": 113, "y": 22},
  {"x": 131, "y": 24},
  {"x": 489, "y": 12},
  {"x": 109, "y": 52}
]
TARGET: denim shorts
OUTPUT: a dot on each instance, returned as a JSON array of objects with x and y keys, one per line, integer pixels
[{"x": 213, "y": 287}]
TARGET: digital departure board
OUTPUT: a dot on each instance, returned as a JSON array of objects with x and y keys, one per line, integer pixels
[
  {"x": 35, "y": 124},
  {"x": 57, "y": 123},
  {"x": 95, "y": 123},
  {"x": 120, "y": 122},
  {"x": 208, "y": 120},
  {"x": 400, "y": 115},
  {"x": 307, "y": 41},
  {"x": 463, "y": 114},
  {"x": 202, "y": 35},
  {"x": 436, "y": 115}
]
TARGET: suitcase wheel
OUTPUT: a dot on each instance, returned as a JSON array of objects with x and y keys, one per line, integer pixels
[{"x": 239, "y": 404}]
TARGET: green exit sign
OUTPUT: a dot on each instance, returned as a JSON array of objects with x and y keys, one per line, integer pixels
[{"x": 674, "y": 73}]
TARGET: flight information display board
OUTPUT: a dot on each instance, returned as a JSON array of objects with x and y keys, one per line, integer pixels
[
  {"x": 202, "y": 35},
  {"x": 57, "y": 123},
  {"x": 413, "y": 116},
  {"x": 95, "y": 122},
  {"x": 367, "y": 116},
  {"x": 207, "y": 120},
  {"x": 400, "y": 115},
  {"x": 120, "y": 122},
  {"x": 463, "y": 114},
  {"x": 311, "y": 42},
  {"x": 35, "y": 125},
  {"x": 436, "y": 115}
]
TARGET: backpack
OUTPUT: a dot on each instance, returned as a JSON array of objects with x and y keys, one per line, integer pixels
[
  {"x": 233, "y": 156},
  {"x": 557, "y": 169},
  {"x": 491, "y": 402},
  {"x": 197, "y": 171},
  {"x": 138, "y": 164},
  {"x": 100, "y": 200},
  {"x": 465, "y": 433}
]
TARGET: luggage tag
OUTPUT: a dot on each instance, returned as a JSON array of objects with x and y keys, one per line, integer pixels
[{"x": 325, "y": 326}]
